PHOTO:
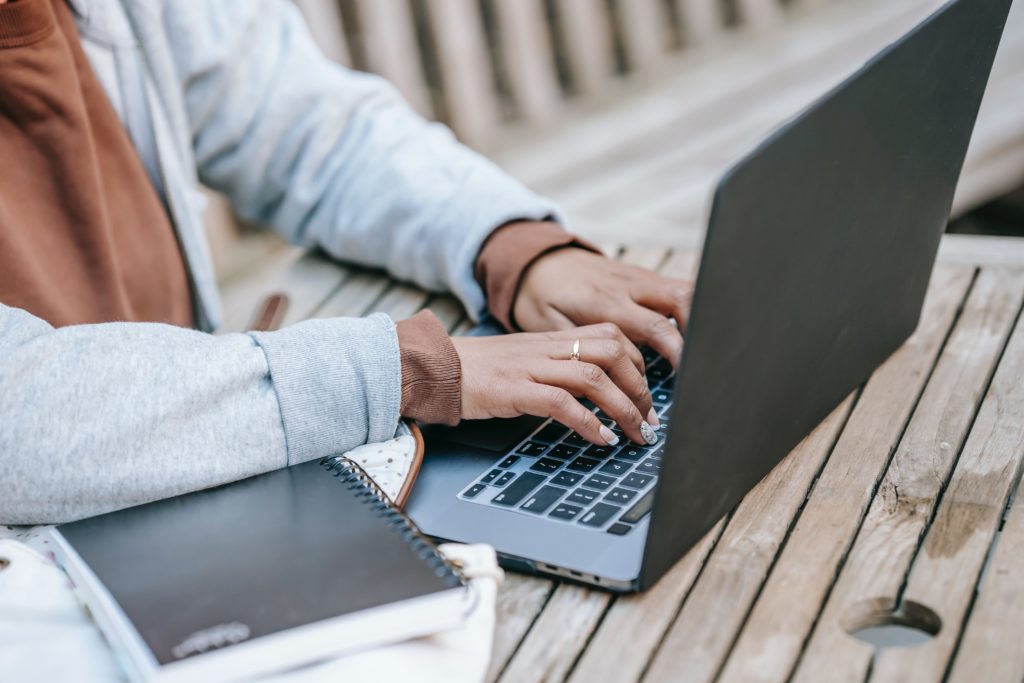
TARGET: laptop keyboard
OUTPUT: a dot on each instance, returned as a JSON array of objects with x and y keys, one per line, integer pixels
[{"x": 557, "y": 474}]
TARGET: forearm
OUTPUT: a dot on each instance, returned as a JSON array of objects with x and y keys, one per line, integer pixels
[{"x": 99, "y": 417}]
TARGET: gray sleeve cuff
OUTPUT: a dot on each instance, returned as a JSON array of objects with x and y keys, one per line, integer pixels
[{"x": 338, "y": 383}]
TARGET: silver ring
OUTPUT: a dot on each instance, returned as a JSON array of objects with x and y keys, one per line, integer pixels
[{"x": 575, "y": 355}]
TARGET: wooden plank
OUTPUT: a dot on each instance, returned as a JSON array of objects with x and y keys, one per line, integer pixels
[
  {"x": 356, "y": 296},
  {"x": 701, "y": 19},
  {"x": 307, "y": 279},
  {"x": 389, "y": 43},
  {"x": 588, "y": 42},
  {"x": 877, "y": 565},
  {"x": 986, "y": 652},
  {"x": 644, "y": 617},
  {"x": 697, "y": 642},
  {"x": 447, "y": 309},
  {"x": 560, "y": 632},
  {"x": 520, "y": 600},
  {"x": 469, "y": 91},
  {"x": 950, "y": 561},
  {"x": 529, "y": 62},
  {"x": 324, "y": 20},
  {"x": 774, "y": 632}
]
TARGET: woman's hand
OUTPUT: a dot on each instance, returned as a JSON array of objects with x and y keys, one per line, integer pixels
[
  {"x": 572, "y": 287},
  {"x": 532, "y": 374}
]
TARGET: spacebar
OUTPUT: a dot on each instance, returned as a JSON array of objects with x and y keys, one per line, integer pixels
[{"x": 641, "y": 508}]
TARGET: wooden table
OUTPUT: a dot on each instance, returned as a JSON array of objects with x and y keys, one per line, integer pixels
[{"x": 903, "y": 497}]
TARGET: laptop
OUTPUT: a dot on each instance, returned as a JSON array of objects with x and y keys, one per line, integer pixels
[{"x": 819, "y": 249}]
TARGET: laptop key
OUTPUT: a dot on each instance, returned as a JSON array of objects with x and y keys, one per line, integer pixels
[
  {"x": 563, "y": 452},
  {"x": 474, "y": 490},
  {"x": 547, "y": 465},
  {"x": 504, "y": 479},
  {"x": 599, "y": 514},
  {"x": 636, "y": 481},
  {"x": 582, "y": 496},
  {"x": 599, "y": 482},
  {"x": 615, "y": 467},
  {"x": 540, "y": 501},
  {"x": 582, "y": 464},
  {"x": 599, "y": 452},
  {"x": 631, "y": 452},
  {"x": 658, "y": 371},
  {"x": 509, "y": 461},
  {"x": 531, "y": 449},
  {"x": 566, "y": 479},
  {"x": 649, "y": 466},
  {"x": 639, "y": 509},
  {"x": 619, "y": 495},
  {"x": 619, "y": 529},
  {"x": 490, "y": 476},
  {"x": 575, "y": 439},
  {"x": 565, "y": 511},
  {"x": 552, "y": 433},
  {"x": 518, "y": 489},
  {"x": 661, "y": 397}
]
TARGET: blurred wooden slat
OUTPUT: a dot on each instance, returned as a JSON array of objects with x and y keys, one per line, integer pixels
[
  {"x": 324, "y": 20},
  {"x": 527, "y": 55},
  {"x": 469, "y": 90},
  {"x": 643, "y": 25},
  {"x": 701, "y": 19},
  {"x": 520, "y": 600},
  {"x": 389, "y": 43},
  {"x": 587, "y": 35},
  {"x": 905, "y": 500},
  {"x": 760, "y": 14}
]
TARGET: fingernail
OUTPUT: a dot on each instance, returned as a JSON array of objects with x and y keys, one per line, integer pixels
[
  {"x": 652, "y": 418},
  {"x": 609, "y": 436},
  {"x": 647, "y": 432}
]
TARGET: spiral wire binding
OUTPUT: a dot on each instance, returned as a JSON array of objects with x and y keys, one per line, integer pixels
[{"x": 365, "y": 488}]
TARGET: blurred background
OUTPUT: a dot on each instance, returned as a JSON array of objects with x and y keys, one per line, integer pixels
[{"x": 627, "y": 111}]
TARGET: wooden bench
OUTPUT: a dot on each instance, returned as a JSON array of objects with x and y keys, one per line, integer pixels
[
  {"x": 627, "y": 112},
  {"x": 905, "y": 496}
]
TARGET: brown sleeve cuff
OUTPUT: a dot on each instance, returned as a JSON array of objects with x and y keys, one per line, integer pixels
[
  {"x": 506, "y": 255},
  {"x": 431, "y": 371}
]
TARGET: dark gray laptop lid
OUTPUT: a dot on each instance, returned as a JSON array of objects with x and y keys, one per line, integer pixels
[{"x": 818, "y": 254}]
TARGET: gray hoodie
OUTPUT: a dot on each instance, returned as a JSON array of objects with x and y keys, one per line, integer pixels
[{"x": 234, "y": 94}]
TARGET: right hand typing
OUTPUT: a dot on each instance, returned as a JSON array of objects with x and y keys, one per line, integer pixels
[{"x": 532, "y": 374}]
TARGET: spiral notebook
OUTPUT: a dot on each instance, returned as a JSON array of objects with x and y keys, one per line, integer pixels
[{"x": 261, "y": 575}]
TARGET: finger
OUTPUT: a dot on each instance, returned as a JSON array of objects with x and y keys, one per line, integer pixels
[
  {"x": 606, "y": 331},
  {"x": 649, "y": 327},
  {"x": 544, "y": 400},
  {"x": 612, "y": 357},
  {"x": 589, "y": 380},
  {"x": 669, "y": 297}
]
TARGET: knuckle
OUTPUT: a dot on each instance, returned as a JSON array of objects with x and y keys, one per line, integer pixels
[
  {"x": 659, "y": 326},
  {"x": 558, "y": 399},
  {"x": 591, "y": 373},
  {"x": 681, "y": 295},
  {"x": 608, "y": 330}
]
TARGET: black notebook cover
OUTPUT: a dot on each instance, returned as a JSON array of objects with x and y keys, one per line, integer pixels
[{"x": 276, "y": 551}]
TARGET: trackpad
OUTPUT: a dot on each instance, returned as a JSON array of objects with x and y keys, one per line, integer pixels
[{"x": 491, "y": 435}]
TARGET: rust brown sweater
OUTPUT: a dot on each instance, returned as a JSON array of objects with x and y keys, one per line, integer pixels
[{"x": 84, "y": 237}]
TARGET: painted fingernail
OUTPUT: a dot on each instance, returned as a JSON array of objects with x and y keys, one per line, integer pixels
[
  {"x": 647, "y": 431},
  {"x": 652, "y": 418},
  {"x": 609, "y": 436}
]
